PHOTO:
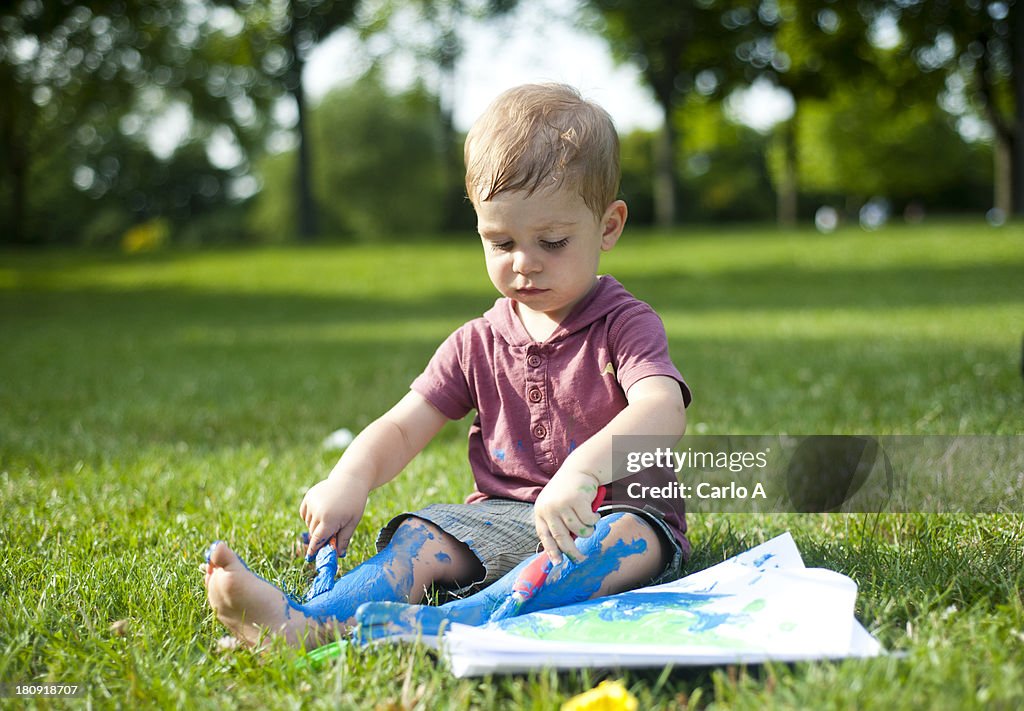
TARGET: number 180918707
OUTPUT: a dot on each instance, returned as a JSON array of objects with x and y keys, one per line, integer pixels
[{"x": 37, "y": 690}]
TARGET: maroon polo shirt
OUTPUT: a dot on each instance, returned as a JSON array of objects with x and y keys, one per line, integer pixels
[{"x": 536, "y": 402}]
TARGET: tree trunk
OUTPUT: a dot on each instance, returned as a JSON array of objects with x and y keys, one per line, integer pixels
[
  {"x": 305, "y": 202},
  {"x": 1017, "y": 140},
  {"x": 1002, "y": 197},
  {"x": 303, "y": 177},
  {"x": 665, "y": 184},
  {"x": 304, "y": 170},
  {"x": 16, "y": 148},
  {"x": 786, "y": 192},
  {"x": 454, "y": 208}
]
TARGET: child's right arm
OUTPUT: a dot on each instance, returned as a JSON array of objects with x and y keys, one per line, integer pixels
[{"x": 333, "y": 507}]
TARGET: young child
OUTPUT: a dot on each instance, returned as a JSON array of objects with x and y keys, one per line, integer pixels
[{"x": 563, "y": 362}]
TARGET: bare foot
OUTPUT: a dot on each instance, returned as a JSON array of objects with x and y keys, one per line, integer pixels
[{"x": 253, "y": 609}]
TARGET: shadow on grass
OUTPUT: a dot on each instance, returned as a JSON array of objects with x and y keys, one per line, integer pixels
[
  {"x": 795, "y": 288},
  {"x": 187, "y": 364}
]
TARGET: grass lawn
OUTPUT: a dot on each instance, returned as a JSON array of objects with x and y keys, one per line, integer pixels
[{"x": 152, "y": 404}]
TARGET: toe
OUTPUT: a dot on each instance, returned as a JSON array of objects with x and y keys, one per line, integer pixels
[{"x": 221, "y": 556}]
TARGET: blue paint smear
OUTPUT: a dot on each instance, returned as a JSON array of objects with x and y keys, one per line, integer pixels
[
  {"x": 326, "y": 572},
  {"x": 386, "y": 576},
  {"x": 499, "y": 454},
  {"x": 574, "y": 582},
  {"x": 710, "y": 620},
  {"x": 631, "y": 607},
  {"x": 444, "y": 557},
  {"x": 763, "y": 559},
  {"x": 569, "y": 583}
]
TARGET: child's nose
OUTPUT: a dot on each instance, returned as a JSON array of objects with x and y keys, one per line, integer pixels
[{"x": 525, "y": 263}]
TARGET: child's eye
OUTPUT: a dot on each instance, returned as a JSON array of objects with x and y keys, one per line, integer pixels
[
  {"x": 555, "y": 245},
  {"x": 501, "y": 246}
]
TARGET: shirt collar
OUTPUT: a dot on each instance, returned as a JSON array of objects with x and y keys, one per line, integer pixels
[{"x": 601, "y": 299}]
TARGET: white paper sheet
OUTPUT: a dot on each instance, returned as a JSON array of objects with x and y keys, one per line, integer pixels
[{"x": 757, "y": 606}]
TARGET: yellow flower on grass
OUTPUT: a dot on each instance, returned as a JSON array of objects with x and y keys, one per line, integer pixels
[{"x": 607, "y": 696}]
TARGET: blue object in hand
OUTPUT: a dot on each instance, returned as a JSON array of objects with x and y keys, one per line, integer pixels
[{"x": 326, "y": 571}]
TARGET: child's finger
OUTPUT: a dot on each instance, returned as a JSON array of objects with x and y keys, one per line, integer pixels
[
  {"x": 562, "y": 536},
  {"x": 341, "y": 539},
  {"x": 586, "y": 515},
  {"x": 549, "y": 544},
  {"x": 317, "y": 538}
]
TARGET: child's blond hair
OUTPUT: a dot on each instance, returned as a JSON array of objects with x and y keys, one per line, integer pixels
[{"x": 540, "y": 135}]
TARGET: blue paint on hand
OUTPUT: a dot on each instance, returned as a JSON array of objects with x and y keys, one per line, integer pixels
[{"x": 326, "y": 571}]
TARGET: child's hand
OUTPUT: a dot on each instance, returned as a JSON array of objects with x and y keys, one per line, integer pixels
[
  {"x": 563, "y": 511},
  {"x": 332, "y": 509}
]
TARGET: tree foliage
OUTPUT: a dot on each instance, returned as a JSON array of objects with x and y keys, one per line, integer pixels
[
  {"x": 866, "y": 140},
  {"x": 285, "y": 32},
  {"x": 976, "y": 48},
  {"x": 86, "y": 88},
  {"x": 381, "y": 176},
  {"x": 681, "y": 46}
]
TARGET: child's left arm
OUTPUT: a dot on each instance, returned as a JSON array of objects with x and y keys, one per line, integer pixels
[{"x": 563, "y": 508}]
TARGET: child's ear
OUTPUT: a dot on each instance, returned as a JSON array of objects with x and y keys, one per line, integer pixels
[{"x": 612, "y": 223}]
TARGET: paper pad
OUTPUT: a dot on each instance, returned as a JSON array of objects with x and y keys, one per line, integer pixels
[{"x": 758, "y": 606}]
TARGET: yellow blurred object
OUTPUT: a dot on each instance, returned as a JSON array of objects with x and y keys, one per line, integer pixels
[
  {"x": 607, "y": 696},
  {"x": 146, "y": 237}
]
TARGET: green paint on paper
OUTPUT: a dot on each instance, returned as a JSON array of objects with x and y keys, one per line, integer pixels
[{"x": 755, "y": 606}]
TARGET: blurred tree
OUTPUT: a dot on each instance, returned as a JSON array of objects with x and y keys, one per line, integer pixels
[
  {"x": 723, "y": 176},
  {"x": 896, "y": 155},
  {"x": 724, "y": 172},
  {"x": 283, "y": 33},
  {"x": 977, "y": 46},
  {"x": 385, "y": 177},
  {"x": 636, "y": 154},
  {"x": 439, "y": 43},
  {"x": 83, "y": 84},
  {"x": 808, "y": 48},
  {"x": 679, "y": 45}
]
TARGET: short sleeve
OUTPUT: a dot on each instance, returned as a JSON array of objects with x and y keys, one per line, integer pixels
[
  {"x": 444, "y": 382},
  {"x": 639, "y": 345}
]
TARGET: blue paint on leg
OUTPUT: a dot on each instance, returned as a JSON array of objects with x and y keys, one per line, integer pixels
[
  {"x": 569, "y": 583},
  {"x": 575, "y": 582},
  {"x": 387, "y": 576},
  {"x": 381, "y": 620}
]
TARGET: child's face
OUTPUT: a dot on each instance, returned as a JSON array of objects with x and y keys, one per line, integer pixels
[{"x": 543, "y": 250}]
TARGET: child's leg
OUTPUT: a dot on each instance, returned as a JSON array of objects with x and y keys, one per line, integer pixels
[
  {"x": 623, "y": 553},
  {"x": 418, "y": 556}
]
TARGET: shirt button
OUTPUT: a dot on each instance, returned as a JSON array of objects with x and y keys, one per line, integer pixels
[
  {"x": 533, "y": 360},
  {"x": 539, "y": 431},
  {"x": 535, "y": 395}
]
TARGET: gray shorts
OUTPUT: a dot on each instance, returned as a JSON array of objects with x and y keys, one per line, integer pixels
[{"x": 501, "y": 534}]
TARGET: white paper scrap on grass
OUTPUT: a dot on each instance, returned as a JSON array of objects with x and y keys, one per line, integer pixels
[{"x": 757, "y": 606}]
